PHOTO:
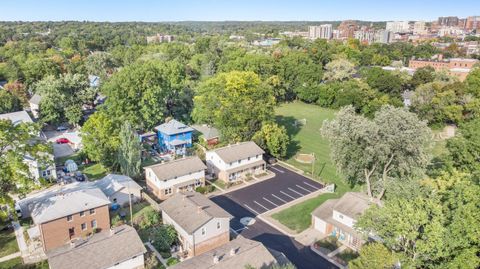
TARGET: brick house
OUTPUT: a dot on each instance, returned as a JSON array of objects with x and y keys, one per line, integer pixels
[
  {"x": 166, "y": 179},
  {"x": 457, "y": 67},
  {"x": 201, "y": 224},
  {"x": 64, "y": 217},
  {"x": 235, "y": 162},
  {"x": 337, "y": 217}
]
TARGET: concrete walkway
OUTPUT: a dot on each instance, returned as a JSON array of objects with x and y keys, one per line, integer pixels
[
  {"x": 157, "y": 254},
  {"x": 11, "y": 256},
  {"x": 22, "y": 244}
]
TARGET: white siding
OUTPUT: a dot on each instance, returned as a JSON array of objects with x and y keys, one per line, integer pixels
[
  {"x": 343, "y": 219},
  {"x": 137, "y": 262},
  {"x": 161, "y": 184},
  {"x": 211, "y": 229},
  {"x": 320, "y": 225},
  {"x": 181, "y": 232},
  {"x": 214, "y": 160}
]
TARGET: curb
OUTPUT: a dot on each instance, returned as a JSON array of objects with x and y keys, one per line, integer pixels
[{"x": 326, "y": 257}]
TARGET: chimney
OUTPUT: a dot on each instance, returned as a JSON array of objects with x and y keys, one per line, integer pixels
[
  {"x": 232, "y": 252},
  {"x": 215, "y": 259}
]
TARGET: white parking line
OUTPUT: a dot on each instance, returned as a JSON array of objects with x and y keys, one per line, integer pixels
[
  {"x": 270, "y": 201},
  {"x": 241, "y": 229},
  {"x": 279, "y": 198},
  {"x": 306, "y": 183},
  {"x": 295, "y": 191},
  {"x": 231, "y": 229},
  {"x": 276, "y": 169},
  {"x": 251, "y": 209},
  {"x": 309, "y": 191},
  {"x": 288, "y": 195},
  {"x": 260, "y": 205}
]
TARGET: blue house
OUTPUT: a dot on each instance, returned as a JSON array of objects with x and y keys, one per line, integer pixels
[{"x": 174, "y": 137}]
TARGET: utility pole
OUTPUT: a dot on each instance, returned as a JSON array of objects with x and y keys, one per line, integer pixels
[
  {"x": 313, "y": 165},
  {"x": 130, "y": 202}
]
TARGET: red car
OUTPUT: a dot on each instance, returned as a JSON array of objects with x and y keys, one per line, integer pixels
[{"x": 62, "y": 141}]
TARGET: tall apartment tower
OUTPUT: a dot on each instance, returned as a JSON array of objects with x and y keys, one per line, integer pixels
[
  {"x": 448, "y": 21},
  {"x": 398, "y": 26},
  {"x": 419, "y": 28},
  {"x": 323, "y": 31}
]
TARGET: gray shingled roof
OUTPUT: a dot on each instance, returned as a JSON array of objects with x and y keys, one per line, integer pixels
[
  {"x": 62, "y": 205},
  {"x": 245, "y": 252},
  {"x": 113, "y": 183},
  {"x": 238, "y": 151},
  {"x": 35, "y": 99},
  {"x": 102, "y": 250},
  {"x": 173, "y": 127},
  {"x": 191, "y": 210},
  {"x": 17, "y": 117},
  {"x": 353, "y": 204},
  {"x": 208, "y": 132},
  {"x": 177, "y": 168}
]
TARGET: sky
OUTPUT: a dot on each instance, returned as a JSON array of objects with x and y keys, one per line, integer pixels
[{"x": 243, "y": 10}]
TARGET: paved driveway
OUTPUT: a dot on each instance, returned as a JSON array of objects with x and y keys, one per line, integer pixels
[{"x": 269, "y": 194}]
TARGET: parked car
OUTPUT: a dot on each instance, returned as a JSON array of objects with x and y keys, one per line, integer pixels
[
  {"x": 79, "y": 177},
  {"x": 62, "y": 140},
  {"x": 62, "y": 128}
]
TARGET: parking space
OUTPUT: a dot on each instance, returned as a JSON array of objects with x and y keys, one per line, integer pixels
[{"x": 251, "y": 201}]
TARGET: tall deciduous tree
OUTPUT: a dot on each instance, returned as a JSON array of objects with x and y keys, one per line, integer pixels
[
  {"x": 236, "y": 102},
  {"x": 340, "y": 69},
  {"x": 391, "y": 146},
  {"x": 374, "y": 256},
  {"x": 273, "y": 138},
  {"x": 464, "y": 149},
  {"x": 129, "y": 151}
]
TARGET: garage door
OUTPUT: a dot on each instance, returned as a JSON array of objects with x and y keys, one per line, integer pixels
[{"x": 320, "y": 225}]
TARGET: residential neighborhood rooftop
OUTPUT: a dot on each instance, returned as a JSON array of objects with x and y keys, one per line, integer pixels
[
  {"x": 173, "y": 127},
  {"x": 191, "y": 210},
  {"x": 17, "y": 117},
  {"x": 237, "y": 254},
  {"x": 238, "y": 151},
  {"x": 113, "y": 183},
  {"x": 353, "y": 204},
  {"x": 64, "y": 204},
  {"x": 36, "y": 98},
  {"x": 176, "y": 168},
  {"x": 102, "y": 250},
  {"x": 207, "y": 131}
]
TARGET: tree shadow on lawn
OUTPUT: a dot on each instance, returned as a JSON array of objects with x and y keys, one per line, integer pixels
[{"x": 292, "y": 128}]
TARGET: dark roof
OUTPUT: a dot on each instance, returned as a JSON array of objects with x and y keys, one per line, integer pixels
[
  {"x": 191, "y": 210},
  {"x": 101, "y": 250},
  {"x": 177, "y": 168},
  {"x": 236, "y": 254},
  {"x": 173, "y": 127},
  {"x": 238, "y": 151}
]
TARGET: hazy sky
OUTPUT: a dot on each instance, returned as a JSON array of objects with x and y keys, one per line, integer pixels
[{"x": 218, "y": 10}]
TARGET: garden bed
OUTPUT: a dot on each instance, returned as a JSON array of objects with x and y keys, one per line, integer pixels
[
  {"x": 327, "y": 244},
  {"x": 345, "y": 256}
]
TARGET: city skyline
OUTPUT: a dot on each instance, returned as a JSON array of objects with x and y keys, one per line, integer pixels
[{"x": 217, "y": 10}]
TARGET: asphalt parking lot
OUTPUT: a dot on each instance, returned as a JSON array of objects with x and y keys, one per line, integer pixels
[
  {"x": 285, "y": 187},
  {"x": 258, "y": 198}
]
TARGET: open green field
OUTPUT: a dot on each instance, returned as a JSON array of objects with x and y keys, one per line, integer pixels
[
  {"x": 8, "y": 243},
  {"x": 307, "y": 139}
]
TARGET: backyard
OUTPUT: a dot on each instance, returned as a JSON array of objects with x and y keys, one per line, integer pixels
[
  {"x": 8, "y": 243},
  {"x": 93, "y": 171},
  {"x": 303, "y": 123}
]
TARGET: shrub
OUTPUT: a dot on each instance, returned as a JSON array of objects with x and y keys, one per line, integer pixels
[
  {"x": 201, "y": 190},
  {"x": 172, "y": 261}
]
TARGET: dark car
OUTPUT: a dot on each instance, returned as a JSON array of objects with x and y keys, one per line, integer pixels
[{"x": 80, "y": 177}]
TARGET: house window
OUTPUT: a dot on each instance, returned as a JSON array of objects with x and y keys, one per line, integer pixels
[
  {"x": 168, "y": 191},
  {"x": 218, "y": 225},
  {"x": 340, "y": 216},
  {"x": 248, "y": 158},
  {"x": 84, "y": 226},
  {"x": 92, "y": 211},
  {"x": 203, "y": 231},
  {"x": 71, "y": 232},
  {"x": 94, "y": 223},
  {"x": 69, "y": 218},
  {"x": 82, "y": 213}
]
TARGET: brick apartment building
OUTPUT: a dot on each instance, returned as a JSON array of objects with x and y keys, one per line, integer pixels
[{"x": 458, "y": 67}]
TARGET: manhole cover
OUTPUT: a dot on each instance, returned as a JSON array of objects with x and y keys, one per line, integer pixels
[{"x": 247, "y": 221}]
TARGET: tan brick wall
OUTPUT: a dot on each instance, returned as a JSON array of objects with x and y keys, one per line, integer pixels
[
  {"x": 160, "y": 193},
  {"x": 212, "y": 243},
  {"x": 55, "y": 233}
]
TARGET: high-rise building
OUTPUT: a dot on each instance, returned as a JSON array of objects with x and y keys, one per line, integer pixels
[
  {"x": 323, "y": 31},
  {"x": 383, "y": 36},
  {"x": 473, "y": 23},
  {"x": 419, "y": 28},
  {"x": 398, "y": 26},
  {"x": 448, "y": 21},
  {"x": 365, "y": 35},
  {"x": 347, "y": 29}
]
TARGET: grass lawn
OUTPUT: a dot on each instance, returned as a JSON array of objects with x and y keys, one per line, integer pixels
[
  {"x": 8, "y": 243},
  {"x": 94, "y": 171},
  {"x": 307, "y": 139},
  {"x": 137, "y": 210},
  {"x": 298, "y": 217},
  {"x": 17, "y": 263}
]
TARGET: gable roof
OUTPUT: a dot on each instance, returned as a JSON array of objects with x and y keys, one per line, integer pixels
[
  {"x": 351, "y": 204},
  {"x": 35, "y": 99},
  {"x": 238, "y": 151},
  {"x": 113, "y": 183},
  {"x": 102, "y": 250},
  {"x": 173, "y": 127},
  {"x": 17, "y": 117},
  {"x": 236, "y": 254},
  {"x": 208, "y": 132},
  {"x": 191, "y": 210},
  {"x": 177, "y": 168},
  {"x": 65, "y": 204}
]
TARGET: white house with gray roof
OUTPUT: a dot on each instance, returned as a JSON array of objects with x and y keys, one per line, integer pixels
[
  {"x": 236, "y": 254},
  {"x": 34, "y": 103},
  {"x": 235, "y": 162},
  {"x": 200, "y": 223},
  {"x": 166, "y": 179}
]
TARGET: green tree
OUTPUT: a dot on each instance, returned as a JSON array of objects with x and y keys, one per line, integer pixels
[
  {"x": 374, "y": 256},
  {"x": 129, "y": 151},
  {"x": 383, "y": 80},
  {"x": 392, "y": 146},
  {"x": 473, "y": 82},
  {"x": 339, "y": 70},
  {"x": 100, "y": 138},
  {"x": 100, "y": 64},
  {"x": 9, "y": 102},
  {"x": 464, "y": 148},
  {"x": 422, "y": 75},
  {"x": 236, "y": 102},
  {"x": 273, "y": 138}
]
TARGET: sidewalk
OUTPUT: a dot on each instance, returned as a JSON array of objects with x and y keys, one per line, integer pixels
[
  {"x": 11, "y": 256},
  {"x": 157, "y": 254}
]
